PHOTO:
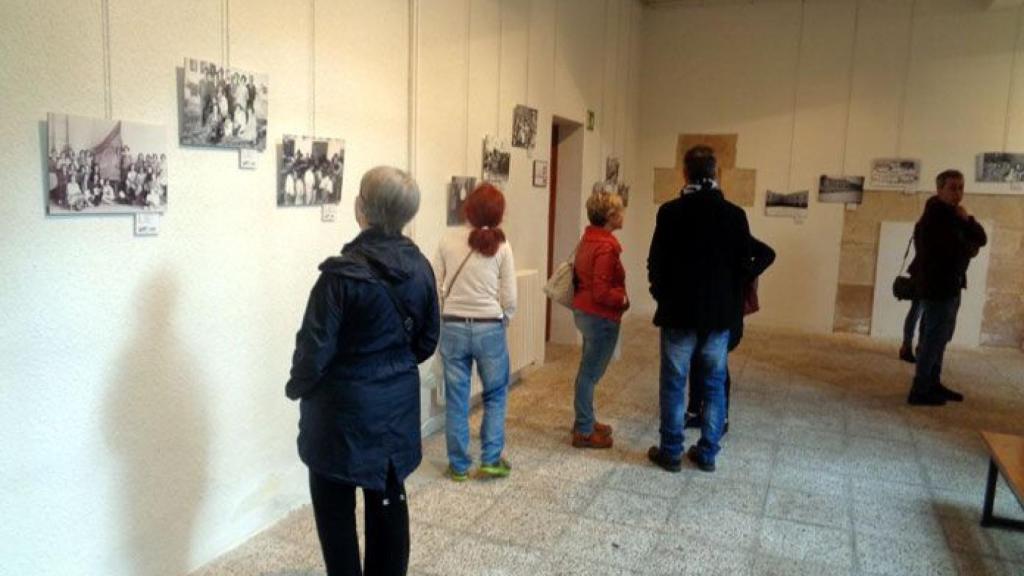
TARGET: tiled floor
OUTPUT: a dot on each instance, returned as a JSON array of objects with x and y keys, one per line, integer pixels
[{"x": 825, "y": 471}]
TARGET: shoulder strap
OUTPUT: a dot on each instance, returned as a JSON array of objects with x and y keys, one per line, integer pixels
[
  {"x": 456, "y": 275},
  {"x": 408, "y": 323},
  {"x": 906, "y": 253}
]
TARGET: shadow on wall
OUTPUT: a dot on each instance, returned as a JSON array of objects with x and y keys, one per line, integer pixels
[{"x": 157, "y": 426}]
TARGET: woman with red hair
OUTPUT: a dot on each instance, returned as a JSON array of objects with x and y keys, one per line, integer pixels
[{"x": 476, "y": 279}]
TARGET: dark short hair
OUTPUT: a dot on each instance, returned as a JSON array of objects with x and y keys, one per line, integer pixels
[
  {"x": 700, "y": 163},
  {"x": 940, "y": 180}
]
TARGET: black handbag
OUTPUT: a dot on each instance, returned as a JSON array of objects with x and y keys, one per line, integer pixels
[{"x": 904, "y": 287}]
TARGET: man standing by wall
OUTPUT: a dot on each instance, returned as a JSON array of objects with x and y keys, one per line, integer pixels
[
  {"x": 945, "y": 239},
  {"x": 695, "y": 268}
]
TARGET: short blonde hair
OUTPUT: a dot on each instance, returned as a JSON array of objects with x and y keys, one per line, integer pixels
[{"x": 601, "y": 206}]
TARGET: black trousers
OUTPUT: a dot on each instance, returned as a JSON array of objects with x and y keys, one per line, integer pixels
[{"x": 387, "y": 527}]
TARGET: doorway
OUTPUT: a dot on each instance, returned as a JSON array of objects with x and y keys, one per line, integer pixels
[{"x": 565, "y": 216}]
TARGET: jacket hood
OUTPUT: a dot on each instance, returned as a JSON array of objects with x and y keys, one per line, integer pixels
[{"x": 393, "y": 257}]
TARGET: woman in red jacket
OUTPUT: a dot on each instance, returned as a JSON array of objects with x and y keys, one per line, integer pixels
[{"x": 599, "y": 301}]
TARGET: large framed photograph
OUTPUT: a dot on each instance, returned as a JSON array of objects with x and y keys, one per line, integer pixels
[
  {"x": 524, "y": 127},
  {"x": 841, "y": 189},
  {"x": 458, "y": 190},
  {"x": 1005, "y": 167},
  {"x": 105, "y": 166},
  {"x": 496, "y": 160},
  {"x": 223, "y": 107},
  {"x": 311, "y": 171},
  {"x": 895, "y": 174},
  {"x": 792, "y": 205}
]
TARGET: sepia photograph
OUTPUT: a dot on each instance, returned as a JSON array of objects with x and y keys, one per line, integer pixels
[
  {"x": 496, "y": 160},
  {"x": 223, "y": 107},
  {"x": 524, "y": 127},
  {"x": 611, "y": 170},
  {"x": 841, "y": 189},
  {"x": 103, "y": 166},
  {"x": 895, "y": 174},
  {"x": 793, "y": 204},
  {"x": 999, "y": 167},
  {"x": 458, "y": 190},
  {"x": 311, "y": 171},
  {"x": 540, "y": 173}
]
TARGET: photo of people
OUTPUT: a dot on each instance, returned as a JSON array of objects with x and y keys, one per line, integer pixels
[
  {"x": 1000, "y": 167},
  {"x": 311, "y": 171},
  {"x": 458, "y": 190},
  {"x": 496, "y": 161},
  {"x": 223, "y": 107},
  {"x": 105, "y": 166},
  {"x": 524, "y": 127},
  {"x": 895, "y": 174}
]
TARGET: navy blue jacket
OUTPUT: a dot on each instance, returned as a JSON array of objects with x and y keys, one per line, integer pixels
[{"x": 354, "y": 368}]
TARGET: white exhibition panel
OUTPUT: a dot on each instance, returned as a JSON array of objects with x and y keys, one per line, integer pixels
[{"x": 887, "y": 314}]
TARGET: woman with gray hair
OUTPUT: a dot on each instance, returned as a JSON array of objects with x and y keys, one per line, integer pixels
[{"x": 372, "y": 317}]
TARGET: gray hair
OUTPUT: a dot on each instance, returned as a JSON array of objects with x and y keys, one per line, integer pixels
[{"x": 390, "y": 198}]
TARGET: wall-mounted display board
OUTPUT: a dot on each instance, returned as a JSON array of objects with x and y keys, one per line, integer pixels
[
  {"x": 104, "y": 166},
  {"x": 223, "y": 107},
  {"x": 895, "y": 174},
  {"x": 496, "y": 160},
  {"x": 738, "y": 184},
  {"x": 311, "y": 171},
  {"x": 524, "y": 127},
  {"x": 791, "y": 205},
  {"x": 841, "y": 189}
]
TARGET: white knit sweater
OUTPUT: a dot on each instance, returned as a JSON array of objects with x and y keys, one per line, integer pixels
[{"x": 486, "y": 286}]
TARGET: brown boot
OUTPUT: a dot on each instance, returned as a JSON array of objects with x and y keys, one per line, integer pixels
[{"x": 594, "y": 440}]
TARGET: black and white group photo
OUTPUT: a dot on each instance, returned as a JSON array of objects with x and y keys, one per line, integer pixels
[
  {"x": 105, "y": 166},
  {"x": 524, "y": 127},
  {"x": 458, "y": 190},
  {"x": 496, "y": 160},
  {"x": 895, "y": 174},
  {"x": 223, "y": 107},
  {"x": 999, "y": 167},
  {"x": 312, "y": 171},
  {"x": 841, "y": 189},
  {"x": 793, "y": 204}
]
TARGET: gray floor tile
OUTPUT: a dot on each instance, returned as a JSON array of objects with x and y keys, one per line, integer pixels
[
  {"x": 604, "y": 543},
  {"x": 629, "y": 508},
  {"x": 882, "y": 555},
  {"x": 802, "y": 542},
  {"x": 808, "y": 507}
]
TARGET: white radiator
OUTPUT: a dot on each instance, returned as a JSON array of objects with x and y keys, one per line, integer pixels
[{"x": 526, "y": 329}]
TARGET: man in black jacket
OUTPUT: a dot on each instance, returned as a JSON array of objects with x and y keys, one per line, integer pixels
[
  {"x": 696, "y": 272},
  {"x": 945, "y": 239}
]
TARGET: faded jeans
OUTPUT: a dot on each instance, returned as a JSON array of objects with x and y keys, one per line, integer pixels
[
  {"x": 462, "y": 343},
  {"x": 599, "y": 338},
  {"x": 677, "y": 348}
]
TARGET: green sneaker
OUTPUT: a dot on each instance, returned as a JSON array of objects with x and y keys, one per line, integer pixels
[
  {"x": 499, "y": 469},
  {"x": 457, "y": 476}
]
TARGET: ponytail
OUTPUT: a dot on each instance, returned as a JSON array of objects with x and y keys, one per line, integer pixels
[{"x": 484, "y": 209}]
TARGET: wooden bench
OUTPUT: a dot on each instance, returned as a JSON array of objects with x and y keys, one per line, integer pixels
[{"x": 1007, "y": 458}]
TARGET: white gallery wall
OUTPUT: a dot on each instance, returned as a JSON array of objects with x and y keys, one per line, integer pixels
[
  {"x": 143, "y": 424},
  {"x": 856, "y": 80}
]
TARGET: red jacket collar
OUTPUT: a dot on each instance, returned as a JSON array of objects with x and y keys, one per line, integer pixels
[{"x": 599, "y": 234}]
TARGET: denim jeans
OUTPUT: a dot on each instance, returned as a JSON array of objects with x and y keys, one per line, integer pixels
[
  {"x": 938, "y": 322},
  {"x": 461, "y": 344},
  {"x": 910, "y": 324},
  {"x": 599, "y": 338},
  {"x": 677, "y": 349}
]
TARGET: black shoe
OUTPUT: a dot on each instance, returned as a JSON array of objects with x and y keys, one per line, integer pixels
[
  {"x": 655, "y": 455},
  {"x": 694, "y": 456},
  {"x": 948, "y": 394},
  {"x": 906, "y": 355},
  {"x": 692, "y": 420},
  {"x": 930, "y": 398}
]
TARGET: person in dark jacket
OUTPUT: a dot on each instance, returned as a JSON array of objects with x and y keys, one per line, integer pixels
[
  {"x": 372, "y": 317},
  {"x": 945, "y": 239},
  {"x": 761, "y": 257},
  {"x": 700, "y": 249}
]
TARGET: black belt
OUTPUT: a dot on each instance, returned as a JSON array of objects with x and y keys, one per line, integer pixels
[{"x": 450, "y": 318}]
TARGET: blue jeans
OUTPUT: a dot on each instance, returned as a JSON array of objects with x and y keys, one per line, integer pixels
[
  {"x": 461, "y": 344},
  {"x": 677, "y": 349},
  {"x": 910, "y": 324},
  {"x": 938, "y": 322},
  {"x": 599, "y": 338}
]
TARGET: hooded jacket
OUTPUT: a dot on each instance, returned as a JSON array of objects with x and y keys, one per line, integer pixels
[{"x": 355, "y": 366}]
